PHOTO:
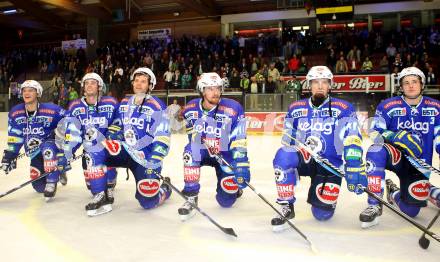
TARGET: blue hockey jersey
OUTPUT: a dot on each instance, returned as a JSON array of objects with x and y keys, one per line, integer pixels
[
  {"x": 88, "y": 124},
  {"x": 331, "y": 136},
  {"x": 32, "y": 130},
  {"x": 422, "y": 120},
  {"x": 222, "y": 129},
  {"x": 145, "y": 126}
]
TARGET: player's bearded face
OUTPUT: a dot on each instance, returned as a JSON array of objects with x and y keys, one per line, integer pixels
[
  {"x": 29, "y": 95},
  {"x": 90, "y": 87},
  {"x": 141, "y": 84},
  {"x": 411, "y": 86},
  {"x": 320, "y": 88},
  {"x": 212, "y": 94}
]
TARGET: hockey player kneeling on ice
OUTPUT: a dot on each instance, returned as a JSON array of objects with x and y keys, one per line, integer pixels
[
  {"x": 407, "y": 124},
  {"x": 329, "y": 127},
  {"x": 216, "y": 124},
  {"x": 86, "y": 123},
  {"x": 139, "y": 140},
  {"x": 32, "y": 124}
]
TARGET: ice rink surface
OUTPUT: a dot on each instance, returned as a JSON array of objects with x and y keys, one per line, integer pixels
[{"x": 32, "y": 230}]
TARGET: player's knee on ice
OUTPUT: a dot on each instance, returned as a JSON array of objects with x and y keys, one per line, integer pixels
[
  {"x": 151, "y": 194},
  {"x": 322, "y": 214},
  {"x": 410, "y": 210}
]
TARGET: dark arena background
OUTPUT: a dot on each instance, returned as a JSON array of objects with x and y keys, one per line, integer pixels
[{"x": 365, "y": 43}]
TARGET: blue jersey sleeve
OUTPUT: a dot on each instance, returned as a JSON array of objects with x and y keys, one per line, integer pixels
[{"x": 15, "y": 137}]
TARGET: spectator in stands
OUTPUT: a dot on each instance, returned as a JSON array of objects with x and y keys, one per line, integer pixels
[
  {"x": 341, "y": 65},
  {"x": 176, "y": 82},
  {"x": 168, "y": 77},
  {"x": 331, "y": 57},
  {"x": 43, "y": 71},
  {"x": 397, "y": 63},
  {"x": 391, "y": 52},
  {"x": 367, "y": 65},
  {"x": 254, "y": 65},
  {"x": 303, "y": 67},
  {"x": 353, "y": 64},
  {"x": 270, "y": 85},
  {"x": 430, "y": 77},
  {"x": 279, "y": 65},
  {"x": 235, "y": 79},
  {"x": 254, "y": 91},
  {"x": 225, "y": 80},
  {"x": 354, "y": 54},
  {"x": 294, "y": 86},
  {"x": 384, "y": 64},
  {"x": 72, "y": 94},
  {"x": 186, "y": 79},
  {"x": 244, "y": 81},
  {"x": 293, "y": 64}
]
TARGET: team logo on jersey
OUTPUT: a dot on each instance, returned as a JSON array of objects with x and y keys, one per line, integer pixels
[
  {"x": 192, "y": 115},
  {"x": 328, "y": 194},
  {"x": 91, "y": 134},
  {"x": 33, "y": 142},
  {"x": 423, "y": 127},
  {"x": 369, "y": 166},
  {"x": 187, "y": 159},
  {"x": 100, "y": 121},
  {"x": 35, "y": 173},
  {"x": 130, "y": 137},
  {"x": 228, "y": 185},
  {"x": 315, "y": 143},
  {"x": 89, "y": 160},
  {"x": 78, "y": 111},
  {"x": 429, "y": 111},
  {"x": 414, "y": 111},
  {"x": 148, "y": 187},
  {"x": 316, "y": 125},
  {"x": 398, "y": 111},
  {"x": 134, "y": 121},
  {"x": 47, "y": 154},
  {"x": 105, "y": 108},
  {"x": 419, "y": 190},
  {"x": 395, "y": 154},
  {"x": 39, "y": 131},
  {"x": 299, "y": 112},
  {"x": 280, "y": 175},
  {"x": 205, "y": 128}
]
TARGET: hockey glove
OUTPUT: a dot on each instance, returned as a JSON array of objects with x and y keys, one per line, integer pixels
[
  {"x": 241, "y": 173},
  {"x": 405, "y": 141},
  {"x": 115, "y": 133},
  {"x": 8, "y": 162},
  {"x": 356, "y": 178},
  {"x": 62, "y": 162}
]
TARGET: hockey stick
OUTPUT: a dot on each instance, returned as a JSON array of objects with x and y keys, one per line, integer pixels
[
  {"x": 220, "y": 159},
  {"x": 335, "y": 170},
  {"x": 226, "y": 230},
  {"x": 423, "y": 241},
  {"x": 33, "y": 180},
  {"x": 419, "y": 164}
]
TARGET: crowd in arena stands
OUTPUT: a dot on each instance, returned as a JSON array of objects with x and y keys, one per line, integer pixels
[{"x": 253, "y": 65}]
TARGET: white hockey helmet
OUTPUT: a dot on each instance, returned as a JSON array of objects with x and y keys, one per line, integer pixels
[
  {"x": 33, "y": 84},
  {"x": 210, "y": 79},
  {"x": 93, "y": 76},
  {"x": 319, "y": 72},
  {"x": 411, "y": 71},
  {"x": 145, "y": 71}
]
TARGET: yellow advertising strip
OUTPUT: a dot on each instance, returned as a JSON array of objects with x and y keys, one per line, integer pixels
[{"x": 334, "y": 10}]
